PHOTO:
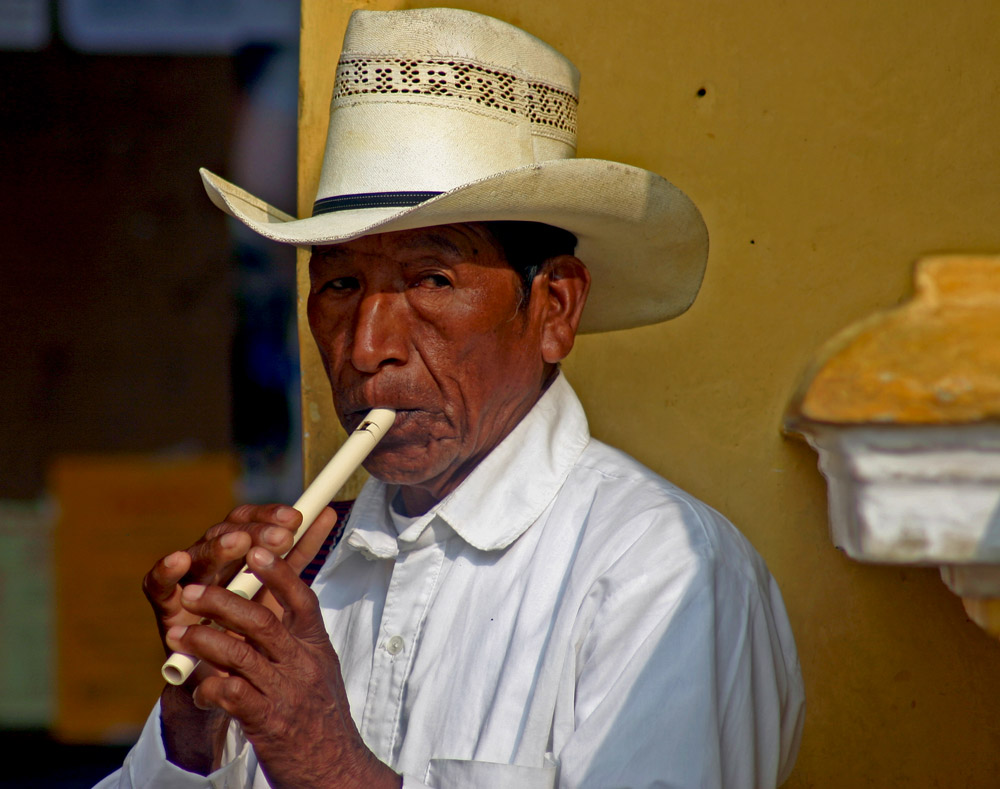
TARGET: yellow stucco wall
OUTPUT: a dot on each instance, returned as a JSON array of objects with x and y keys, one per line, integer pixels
[{"x": 835, "y": 143}]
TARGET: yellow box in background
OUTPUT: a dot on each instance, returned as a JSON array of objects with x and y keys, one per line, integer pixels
[{"x": 117, "y": 515}]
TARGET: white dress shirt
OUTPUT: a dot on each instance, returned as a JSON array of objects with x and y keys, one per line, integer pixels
[{"x": 565, "y": 617}]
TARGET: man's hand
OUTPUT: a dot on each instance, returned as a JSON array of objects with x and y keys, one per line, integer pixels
[
  {"x": 193, "y": 737},
  {"x": 216, "y": 558},
  {"x": 282, "y": 681}
]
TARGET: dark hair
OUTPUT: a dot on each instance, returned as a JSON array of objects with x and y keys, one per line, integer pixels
[{"x": 527, "y": 245}]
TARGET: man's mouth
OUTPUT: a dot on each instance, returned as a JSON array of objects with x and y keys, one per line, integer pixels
[{"x": 355, "y": 418}]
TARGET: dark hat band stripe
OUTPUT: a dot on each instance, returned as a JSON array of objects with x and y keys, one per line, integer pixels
[{"x": 329, "y": 205}]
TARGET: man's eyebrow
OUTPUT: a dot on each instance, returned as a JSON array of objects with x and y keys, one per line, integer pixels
[{"x": 331, "y": 251}]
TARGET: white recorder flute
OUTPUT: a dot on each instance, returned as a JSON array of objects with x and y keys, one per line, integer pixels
[{"x": 311, "y": 503}]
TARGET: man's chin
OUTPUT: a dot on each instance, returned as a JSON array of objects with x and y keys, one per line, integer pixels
[{"x": 408, "y": 466}]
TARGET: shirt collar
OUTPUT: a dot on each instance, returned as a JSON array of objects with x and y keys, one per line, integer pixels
[{"x": 500, "y": 499}]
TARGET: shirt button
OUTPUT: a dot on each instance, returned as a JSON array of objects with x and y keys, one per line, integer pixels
[{"x": 394, "y": 645}]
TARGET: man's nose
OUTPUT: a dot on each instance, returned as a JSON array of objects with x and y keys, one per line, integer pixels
[{"x": 380, "y": 336}]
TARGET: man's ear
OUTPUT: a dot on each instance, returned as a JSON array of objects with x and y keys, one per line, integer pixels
[{"x": 564, "y": 283}]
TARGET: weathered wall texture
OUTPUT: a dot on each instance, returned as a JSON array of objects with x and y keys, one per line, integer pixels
[{"x": 829, "y": 146}]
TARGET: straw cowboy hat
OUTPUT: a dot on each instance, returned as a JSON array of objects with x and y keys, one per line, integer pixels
[{"x": 442, "y": 116}]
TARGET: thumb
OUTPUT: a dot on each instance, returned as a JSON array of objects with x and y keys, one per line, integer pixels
[{"x": 305, "y": 549}]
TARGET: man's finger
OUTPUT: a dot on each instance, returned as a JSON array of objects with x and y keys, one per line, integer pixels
[
  {"x": 245, "y": 514},
  {"x": 215, "y": 558},
  {"x": 259, "y": 626},
  {"x": 302, "y": 614},
  {"x": 234, "y": 696},
  {"x": 160, "y": 583},
  {"x": 218, "y": 557}
]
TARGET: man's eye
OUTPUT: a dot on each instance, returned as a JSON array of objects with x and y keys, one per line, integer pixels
[
  {"x": 434, "y": 280},
  {"x": 341, "y": 284}
]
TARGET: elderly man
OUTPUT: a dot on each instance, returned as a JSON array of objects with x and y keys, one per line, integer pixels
[{"x": 512, "y": 603}]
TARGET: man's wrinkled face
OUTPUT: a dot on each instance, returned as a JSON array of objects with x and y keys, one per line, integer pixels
[{"x": 427, "y": 322}]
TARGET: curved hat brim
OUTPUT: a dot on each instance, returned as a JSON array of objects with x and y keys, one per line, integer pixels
[{"x": 643, "y": 240}]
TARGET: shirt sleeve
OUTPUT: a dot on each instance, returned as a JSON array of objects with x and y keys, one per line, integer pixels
[
  {"x": 686, "y": 673},
  {"x": 146, "y": 765}
]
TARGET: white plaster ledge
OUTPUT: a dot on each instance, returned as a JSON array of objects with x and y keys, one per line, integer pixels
[
  {"x": 903, "y": 409},
  {"x": 916, "y": 495},
  {"x": 972, "y": 580}
]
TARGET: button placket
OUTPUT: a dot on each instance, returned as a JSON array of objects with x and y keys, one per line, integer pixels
[{"x": 411, "y": 587}]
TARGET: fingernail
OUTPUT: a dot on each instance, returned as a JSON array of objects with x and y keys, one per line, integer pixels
[
  {"x": 284, "y": 515},
  {"x": 263, "y": 558},
  {"x": 193, "y": 592},
  {"x": 176, "y": 633},
  {"x": 275, "y": 536},
  {"x": 171, "y": 561},
  {"x": 228, "y": 540}
]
